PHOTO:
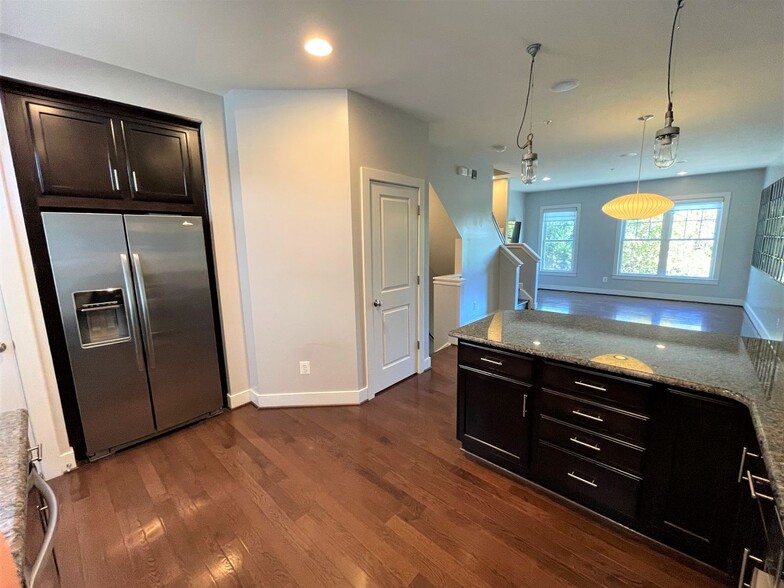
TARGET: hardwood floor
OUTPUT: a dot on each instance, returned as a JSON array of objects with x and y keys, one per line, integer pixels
[
  {"x": 694, "y": 316},
  {"x": 376, "y": 495}
]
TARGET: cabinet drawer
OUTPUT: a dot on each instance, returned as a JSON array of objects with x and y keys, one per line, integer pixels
[
  {"x": 593, "y": 416},
  {"x": 586, "y": 481},
  {"x": 620, "y": 391},
  {"x": 495, "y": 361},
  {"x": 598, "y": 447}
]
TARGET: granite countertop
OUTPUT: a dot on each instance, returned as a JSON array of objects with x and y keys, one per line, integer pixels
[
  {"x": 746, "y": 369},
  {"x": 13, "y": 482}
]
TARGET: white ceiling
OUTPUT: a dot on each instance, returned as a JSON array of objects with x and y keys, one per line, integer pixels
[{"x": 461, "y": 65}]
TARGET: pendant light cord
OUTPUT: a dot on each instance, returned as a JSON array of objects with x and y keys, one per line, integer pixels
[
  {"x": 669, "y": 59},
  {"x": 527, "y": 99},
  {"x": 642, "y": 146}
]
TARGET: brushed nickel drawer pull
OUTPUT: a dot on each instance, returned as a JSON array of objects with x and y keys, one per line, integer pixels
[
  {"x": 575, "y": 439},
  {"x": 525, "y": 404},
  {"x": 578, "y": 412},
  {"x": 583, "y": 480},
  {"x": 493, "y": 361},
  {"x": 754, "y": 494},
  {"x": 591, "y": 386}
]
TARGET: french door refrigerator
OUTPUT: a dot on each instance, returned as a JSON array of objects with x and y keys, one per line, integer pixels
[{"x": 135, "y": 302}]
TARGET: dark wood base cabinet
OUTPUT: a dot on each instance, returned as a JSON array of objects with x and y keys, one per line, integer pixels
[{"x": 663, "y": 461}]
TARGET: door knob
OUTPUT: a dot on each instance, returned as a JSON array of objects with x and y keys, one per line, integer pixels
[
  {"x": 3, "y": 346},
  {"x": 376, "y": 302}
]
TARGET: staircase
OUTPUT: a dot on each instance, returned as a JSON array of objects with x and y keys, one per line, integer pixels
[{"x": 518, "y": 276}]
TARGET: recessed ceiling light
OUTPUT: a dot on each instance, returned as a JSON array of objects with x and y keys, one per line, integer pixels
[
  {"x": 318, "y": 47},
  {"x": 630, "y": 154},
  {"x": 660, "y": 346},
  {"x": 546, "y": 179},
  {"x": 683, "y": 173},
  {"x": 498, "y": 148},
  {"x": 564, "y": 86}
]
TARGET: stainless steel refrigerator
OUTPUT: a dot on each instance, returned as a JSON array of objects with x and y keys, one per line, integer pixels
[{"x": 135, "y": 302}]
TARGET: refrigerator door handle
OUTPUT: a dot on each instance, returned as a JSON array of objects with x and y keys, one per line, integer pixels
[
  {"x": 145, "y": 311},
  {"x": 133, "y": 318}
]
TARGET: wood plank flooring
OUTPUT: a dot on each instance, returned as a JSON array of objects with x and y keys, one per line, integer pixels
[
  {"x": 376, "y": 495},
  {"x": 694, "y": 316}
]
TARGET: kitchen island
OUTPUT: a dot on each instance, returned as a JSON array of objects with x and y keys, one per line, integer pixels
[{"x": 674, "y": 433}]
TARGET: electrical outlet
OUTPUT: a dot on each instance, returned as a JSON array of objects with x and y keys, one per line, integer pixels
[
  {"x": 604, "y": 279},
  {"x": 304, "y": 368}
]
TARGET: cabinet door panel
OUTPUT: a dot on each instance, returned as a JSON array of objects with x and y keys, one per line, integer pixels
[
  {"x": 75, "y": 152},
  {"x": 158, "y": 162},
  {"x": 494, "y": 419},
  {"x": 697, "y": 453}
]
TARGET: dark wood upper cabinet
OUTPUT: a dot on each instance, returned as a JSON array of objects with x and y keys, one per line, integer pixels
[
  {"x": 83, "y": 153},
  {"x": 75, "y": 152},
  {"x": 159, "y": 158}
]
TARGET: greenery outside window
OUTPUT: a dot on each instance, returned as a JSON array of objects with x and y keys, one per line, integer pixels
[
  {"x": 559, "y": 239},
  {"x": 682, "y": 244}
]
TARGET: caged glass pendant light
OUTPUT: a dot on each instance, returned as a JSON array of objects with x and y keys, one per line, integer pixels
[
  {"x": 530, "y": 160},
  {"x": 665, "y": 148},
  {"x": 639, "y": 205}
]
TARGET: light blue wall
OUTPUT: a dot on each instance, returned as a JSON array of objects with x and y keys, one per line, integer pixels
[
  {"x": 598, "y": 232},
  {"x": 469, "y": 205},
  {"x": 765, "y": 296}
]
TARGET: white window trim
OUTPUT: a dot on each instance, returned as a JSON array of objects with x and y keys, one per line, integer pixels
[
  {"x": 716, "y": 261},
  {"x": 576, "y": 239}
]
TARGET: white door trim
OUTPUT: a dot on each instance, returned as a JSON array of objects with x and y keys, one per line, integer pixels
[{"x": 368, "y": 175}]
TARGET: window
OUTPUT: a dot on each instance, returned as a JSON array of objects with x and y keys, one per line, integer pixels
[
  {"x": 681, "y": 244},
  {"x": 559, "y": 239}
]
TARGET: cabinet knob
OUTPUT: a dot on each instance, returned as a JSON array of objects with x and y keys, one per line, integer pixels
[{"x": 376, "y": 302}]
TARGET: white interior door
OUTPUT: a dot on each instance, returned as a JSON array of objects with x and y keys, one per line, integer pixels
[
  {"x": 11, "y": 394},
  {"x": 394, "y": 229}
]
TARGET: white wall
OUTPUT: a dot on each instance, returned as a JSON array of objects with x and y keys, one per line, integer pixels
[
  {"x": 291, "y": 159},
  {"x": 382, "y": 138},
  {"x": 765, "y": 296},
  {"x": 516, "y": 210},
  {"x": 42, "y": 65},
  {"x": 469, "y": 204},
  {"x": 598, "y": 234}
]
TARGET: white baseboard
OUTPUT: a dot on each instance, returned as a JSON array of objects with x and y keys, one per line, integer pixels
[
  {"x": 445, "y": 345},
  {"x": 238, "y": 398},
  {"x": 758, "y": 324},
  {"x": 425, "y": 365},
  {"x": 57, "y": 465},
  {"x": 293, "y": 399},
  {"x": 633, "y": 294}
]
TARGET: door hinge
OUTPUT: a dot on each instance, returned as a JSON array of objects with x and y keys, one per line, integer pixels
[
  {"x": 419, "y": 210},
  {"x": 417, "y": 345},
  {"x": 417, "y": 280}
]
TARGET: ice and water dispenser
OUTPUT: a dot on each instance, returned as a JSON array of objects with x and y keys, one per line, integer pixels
[{"x": 101, "y": 317}]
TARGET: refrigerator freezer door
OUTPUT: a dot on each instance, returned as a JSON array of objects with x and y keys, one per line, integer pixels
[
  {"x": 97, "y": 305},
  {"x": 173, "y": 290}
]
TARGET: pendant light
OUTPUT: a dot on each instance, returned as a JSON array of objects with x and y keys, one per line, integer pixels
[
  {"x": 638, "y": 206},
  {"x": 530, "y": 160},
  {"x": 665, "y": 148}
]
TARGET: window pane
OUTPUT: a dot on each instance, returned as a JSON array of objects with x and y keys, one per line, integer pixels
[
  {"x": 557, "y": 256},
  {"x": 640, "y": 257},
  {"x": 708, "y": 228},
  {"x": 690, "y": 259},
  {"x": 559, "y": 230}
]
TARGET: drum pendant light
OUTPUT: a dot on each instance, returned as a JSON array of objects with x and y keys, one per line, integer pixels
[
  {"x": 638, "y": 206},
  {"x": 665, "y": 149},
  {"x": 530, "y": 160}
]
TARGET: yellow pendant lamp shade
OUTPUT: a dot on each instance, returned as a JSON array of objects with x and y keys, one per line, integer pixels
[{"x": 637, "y": 206}]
